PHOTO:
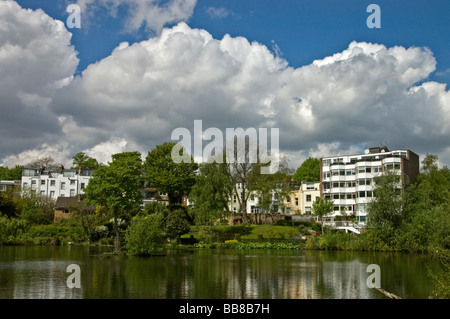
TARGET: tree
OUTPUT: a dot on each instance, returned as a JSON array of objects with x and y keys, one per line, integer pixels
[
  {"x": 271, "y": 189},
  {"x": 162, "y": 173},
  {"x": 322, "y": 207},
  {"x": 11, "y": 173},
  {"x": 177, "y": 224},
  {"x": 46, "y": 162},
  {"x": 386, "y": 211},
  {"x": 309, "y": 171},
  {"x": 81, "y": 160},
  {"x": 211, "y": 193},
  {"x": 117, "y": 186}
]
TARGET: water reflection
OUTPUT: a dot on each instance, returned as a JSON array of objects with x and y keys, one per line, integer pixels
[{"x": 40, "y": 272}]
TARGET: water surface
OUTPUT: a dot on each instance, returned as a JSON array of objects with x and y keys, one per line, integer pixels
[{"x": 41, "y": 272}]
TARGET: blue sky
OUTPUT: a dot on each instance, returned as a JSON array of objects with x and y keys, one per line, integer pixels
[{"x": 136, "y": 70}]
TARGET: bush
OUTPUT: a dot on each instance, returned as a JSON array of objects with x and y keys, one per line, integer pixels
[
  {"x": 177, "y": 223},
  {"x": 55, "y": 235},
  {"x": 146, "y": 236},
  {"x": 11, "y": 229}
]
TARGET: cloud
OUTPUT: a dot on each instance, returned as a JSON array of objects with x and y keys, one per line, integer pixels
[
  {"x": 36, "y": 59},
  {"x": 218, "y": 13},
  {"x": 134, "y": 98},
  {"x": 151, "y": 14}
]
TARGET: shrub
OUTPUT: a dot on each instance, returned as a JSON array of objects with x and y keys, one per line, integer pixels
[
  {"x": 55, "y": 235},
  {"x": 11, "y": 229},
  {"x": 146, "y": 236}
]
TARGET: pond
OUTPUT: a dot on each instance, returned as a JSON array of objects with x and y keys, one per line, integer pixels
[{"x": 41, "y": 272}]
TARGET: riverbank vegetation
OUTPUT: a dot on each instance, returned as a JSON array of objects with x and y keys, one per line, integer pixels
[{"x": 414, "y": 219}]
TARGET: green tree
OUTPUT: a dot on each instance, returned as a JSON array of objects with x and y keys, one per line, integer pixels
[
  {"x": 36, "y": 209},
  {"x": 162, "y": 173},
  {"x": 145, "y": 236},
  {"x": 11, "y": 174},
  {"x": 211, "y": 193},
  {"x": 117, "y": 186},
  {"x": 309, "y": 171},
  {"x": 177, "y": 224},
  {"x": 386, "y": 211},
  {"x": 271, "y": 189},
  {"x": 81, "y": 160},
  {"x": 322, "y": 207}
]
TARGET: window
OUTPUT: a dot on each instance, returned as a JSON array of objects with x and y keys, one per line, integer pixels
[
  {"x": 308, "y": 198},
  {"x": 309, "y": 186},
  {"x": 368, "y": 169},
  {"x": 33, "y": 182},
  {"x": 296, "y": 201},
  {"x": 43, "y": 182},
  {"x": 72, "y": 193},
  {"x": 362, "y": 194},
  {"x": 63, "y": 185},
  {"x": 83, "y": 185},
  {"x": 234, "y": 199},
  {"x": 342, "y": 172},
  {"x": 52, "y": 194},
  {"x": 25, "y": 185},
  {"x": 350, "y": 172},
  {"x": 361, "y": 170},
  {"x": 308, "y": 210},
  {"x": 52, "y": 182},
  {"x": 72, "y": 182},
  {"x": 335, "y": 172}
]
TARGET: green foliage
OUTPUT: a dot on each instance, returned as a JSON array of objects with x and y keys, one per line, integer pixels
[
  {"x": 11, "y": 229},
  {"x": 177, "y": 223},
  {"x": 441, "y": 278},
  {"x": 322, "y": 207},
  {"x": 81, "y": 160},
  {"x": 175, "y": 179},
  {"x": 386, "y": 208},
  {"x": 9, "y": 205},
  {"x": 11, "y": 174},
  {"x": 309, "y": 171},
  {"x": 145, "y": 236},
  {"x": 117, "y": 186},
  {"x": 38, "y": 210},
  {"x": 211, "y": 193},
  {"x": 55, "y": 235}
]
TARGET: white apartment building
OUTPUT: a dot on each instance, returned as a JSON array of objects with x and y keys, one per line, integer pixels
[
  {"x": 349, "y": 180},
  {"x": 63, "y": 183}
]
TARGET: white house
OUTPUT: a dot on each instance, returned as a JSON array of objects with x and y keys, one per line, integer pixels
[{"x": 61, "y": 183}]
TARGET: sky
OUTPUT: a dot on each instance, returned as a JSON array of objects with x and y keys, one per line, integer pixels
[{"x": 136, "y": 70}]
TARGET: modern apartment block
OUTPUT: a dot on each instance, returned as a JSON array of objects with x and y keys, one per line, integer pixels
[
  {"x": 61, "y": 183},
  {"x": 349, "y": 180}
]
